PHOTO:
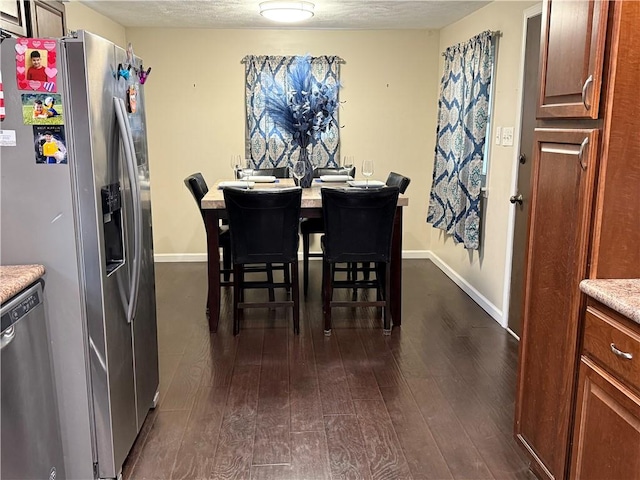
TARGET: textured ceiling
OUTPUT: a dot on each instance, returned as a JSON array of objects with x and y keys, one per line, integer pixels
[{"x": 329, "y": 14}]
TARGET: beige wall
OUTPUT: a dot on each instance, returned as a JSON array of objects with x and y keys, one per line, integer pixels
[
  {"x": 195, "y": 112},
  {"x": 80, "y": 17},
  {"x": 484, "y": 269}
]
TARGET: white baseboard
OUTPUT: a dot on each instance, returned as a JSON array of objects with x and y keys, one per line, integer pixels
[
  {"x": 202, "y": 257},
  {"x": 493, "y": 311},
  {"x": 475, "y": 295},
  {"x": 179, "y": 257}
]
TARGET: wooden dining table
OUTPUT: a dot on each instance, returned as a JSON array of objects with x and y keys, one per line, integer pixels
[{"x": 214, "y": 210}]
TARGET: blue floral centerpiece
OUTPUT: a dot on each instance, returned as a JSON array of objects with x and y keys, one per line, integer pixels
[{"x": 304, "y": 110}]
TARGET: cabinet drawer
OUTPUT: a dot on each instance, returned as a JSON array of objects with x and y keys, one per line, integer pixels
[{"x": 608, "y": 341}]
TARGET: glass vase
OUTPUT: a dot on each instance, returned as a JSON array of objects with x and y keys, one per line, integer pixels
[{"x": 305, "y": 156}]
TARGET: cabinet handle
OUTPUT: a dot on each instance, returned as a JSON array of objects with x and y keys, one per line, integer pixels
[
  {"x": 583, "y": 145},
  {"x": 585, "y": 87},
  {"x": 620, "y": 353}
]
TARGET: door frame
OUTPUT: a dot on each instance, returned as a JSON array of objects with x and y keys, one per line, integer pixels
[{"x": 506, "y": 294}]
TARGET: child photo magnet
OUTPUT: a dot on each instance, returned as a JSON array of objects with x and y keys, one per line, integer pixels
[
  {"x": 49, "y": 143},
  {"x": 36, "y": 64},
  {"x": 42, "y": 109}
]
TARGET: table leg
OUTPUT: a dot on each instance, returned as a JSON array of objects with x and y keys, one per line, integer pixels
[
  {"x": 395, "y": 296},
  {"x": 211, "y": 222}
]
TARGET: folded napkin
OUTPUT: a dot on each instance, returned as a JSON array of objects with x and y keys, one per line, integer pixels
[
  {"x": 236, "y": 184},
  {"x": 335, "y": 178},
  {"x": 262, "y": 178},
  {"x": 363, "y": 183}
]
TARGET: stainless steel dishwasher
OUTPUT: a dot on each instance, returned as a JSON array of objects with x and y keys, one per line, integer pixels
[{"x": 31, "y": 442}]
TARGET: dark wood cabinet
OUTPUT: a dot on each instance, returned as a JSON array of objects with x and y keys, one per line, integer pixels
[
  {"x": 615, "y": 251},
  {"x": 564, "y": 166},
  {"x": 33, "y": 18},
  {"x": 606, "y": 438},
  {"x": 47, "y": 19},
  {"x": 584, "y": 223},
  {"x": 572, "y": 58},
  {"x": 13, "y": 18}
]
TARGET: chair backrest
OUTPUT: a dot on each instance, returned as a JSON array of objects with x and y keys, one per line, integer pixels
[
  {"x": 198, "y": 188},
  {"x": 263, "y": 224},
  {"x": 396, "y": 180},
  {"x": 278, "y": 172},
  {"x": 358, "y": 224},
  {"x": 334, "y": 171}
]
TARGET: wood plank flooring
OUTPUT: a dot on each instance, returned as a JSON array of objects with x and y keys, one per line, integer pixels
[{"x": 434, "y": 400}]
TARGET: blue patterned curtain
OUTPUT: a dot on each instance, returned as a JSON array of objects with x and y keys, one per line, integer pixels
[
  {"x": 463, "y": 113},
  {"x": 267, "y": 145}
]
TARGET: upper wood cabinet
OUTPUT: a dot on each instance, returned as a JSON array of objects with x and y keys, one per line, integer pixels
[
  {"x": 563, "y": 177},
  {"x": 572, "y": 58},
  {"x": 13, "y": 18},
  {"x": 35, "y": 18},
  {"x": 47, "y": 19}
]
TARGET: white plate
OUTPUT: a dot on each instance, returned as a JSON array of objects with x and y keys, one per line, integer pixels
[
  {"x": 363, "y": 183},
  {"x": 236, "y": 184},
  {"x": 335, "y": 178},
  {"x": 262, "y": 178}
]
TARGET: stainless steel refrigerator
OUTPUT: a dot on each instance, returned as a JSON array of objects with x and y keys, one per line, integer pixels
[{"x": 87, "y": 219}]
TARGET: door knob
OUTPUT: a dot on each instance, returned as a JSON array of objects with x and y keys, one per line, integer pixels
[
  {"x": 522, "y": 159},
  {"x": 516, "y": 199}
]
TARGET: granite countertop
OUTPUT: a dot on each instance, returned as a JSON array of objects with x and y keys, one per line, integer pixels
[
  {"x": 14, "y": 278},
  {"x": 623, "y": 296}
]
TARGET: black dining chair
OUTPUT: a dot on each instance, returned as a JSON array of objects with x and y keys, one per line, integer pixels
[
  {"x": 311, "y": 226},
  {"x": 358, "y": 228},
  {"x": 393, "y": 180},
  {"x": 198, "y": 188},
  {"x": 278, "y": 172},
  {"x": 264, "y": 230},
  {"x": 396, "y": 180}
]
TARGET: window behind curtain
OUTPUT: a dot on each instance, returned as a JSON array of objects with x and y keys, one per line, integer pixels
[{"x": 265, "y": 144}]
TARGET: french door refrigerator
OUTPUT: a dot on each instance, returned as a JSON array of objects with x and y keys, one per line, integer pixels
[{"x": 88, "y": 221}]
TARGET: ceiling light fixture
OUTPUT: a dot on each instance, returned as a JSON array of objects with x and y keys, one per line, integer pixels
[{"x": 286, "y": 12}]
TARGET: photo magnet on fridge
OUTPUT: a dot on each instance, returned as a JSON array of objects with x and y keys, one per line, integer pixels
[
  {"x": 36, "y": 64},
  {"x": 42, "y": 109},
  {"x": 49, "y": 144}
]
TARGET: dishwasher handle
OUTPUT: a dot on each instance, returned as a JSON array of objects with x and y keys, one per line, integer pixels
[{"x": 7, "y": 336}]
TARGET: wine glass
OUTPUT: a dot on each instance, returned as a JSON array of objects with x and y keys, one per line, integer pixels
[
  {"x": 348, "y": 161},
  {"x": 246, "y": 169},
  {"x": 367, "y": 170},
  {"x": 298, "y": 170},
  {"x": 236, "y": 165}
]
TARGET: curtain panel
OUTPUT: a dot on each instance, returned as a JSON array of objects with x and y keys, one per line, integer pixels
[
  {"x": 463, "y": 113},
  {"x": 266, "y": 145}
]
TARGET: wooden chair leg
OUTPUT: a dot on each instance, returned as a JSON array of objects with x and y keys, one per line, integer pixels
[
  {"x": 366, "y": 270},
  {"x": 226, "y": 263},
  {"x": 295, "y": 292},
  {"x": 327, "y": 291},
  {"x": 305, "y": 262},
  {"x": 237, "y": 293},
  {"x": 272, "y": 296},
  {"x": 287, "y": 279},
  {"x": 386, "y": 329},
  {"x": 353, "y": 276}
]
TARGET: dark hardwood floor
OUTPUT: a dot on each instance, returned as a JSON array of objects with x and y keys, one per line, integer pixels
[{"x": 433, "y": 400}]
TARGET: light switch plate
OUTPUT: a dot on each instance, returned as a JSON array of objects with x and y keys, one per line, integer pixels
[
  {"x": 498, "y": 135},
  {"x": 507, "y": 136}
]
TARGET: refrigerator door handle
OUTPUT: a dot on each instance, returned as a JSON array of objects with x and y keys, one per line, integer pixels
[{"x": 130, "y": 160}]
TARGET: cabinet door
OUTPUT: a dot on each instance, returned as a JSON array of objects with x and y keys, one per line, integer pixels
[
  {"x": 12, "y": 17},
  {"x": 606, "y": 440},
  {"x": 572, "y": 58},
  {"x": 47, "y": 19},
  {"x": 561, "y": 204}
]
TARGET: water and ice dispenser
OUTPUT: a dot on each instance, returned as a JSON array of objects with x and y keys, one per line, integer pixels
[{"x": 112, "y": 223}]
